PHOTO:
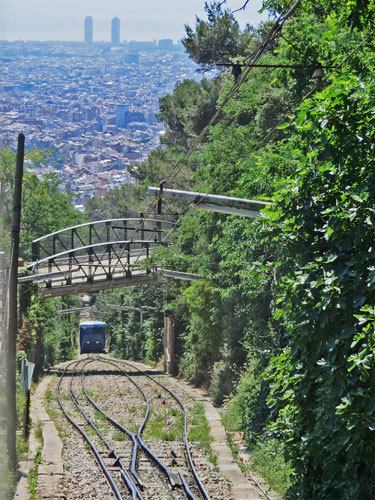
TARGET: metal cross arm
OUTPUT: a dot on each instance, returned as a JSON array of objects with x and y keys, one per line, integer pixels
[
  {"x": 213, "y": 202},
  {"x": 167, "y": 273},
  {"x": 127, "y": 308}
]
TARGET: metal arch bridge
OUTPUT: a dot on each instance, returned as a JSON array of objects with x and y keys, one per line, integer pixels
[{"x": 97, "y": 255}]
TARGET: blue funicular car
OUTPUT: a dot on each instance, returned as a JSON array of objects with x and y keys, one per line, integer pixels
[{"x": 92, "y": 336}]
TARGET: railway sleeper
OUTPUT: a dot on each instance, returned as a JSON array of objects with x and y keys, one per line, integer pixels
[
  {"x": 114, "y": 468},
  {"x": 105, "y": 454},
  {"x": 175, "y": 479}
]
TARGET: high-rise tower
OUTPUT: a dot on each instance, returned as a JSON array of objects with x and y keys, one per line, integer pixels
[
  {"x": 89, "y": 28},
  {"x": 115, "y": 31}
]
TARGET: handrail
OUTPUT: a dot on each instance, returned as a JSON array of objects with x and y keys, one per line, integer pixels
[
  {"x": 92, "y": 223},
  {"x": 102, "y": 244}
]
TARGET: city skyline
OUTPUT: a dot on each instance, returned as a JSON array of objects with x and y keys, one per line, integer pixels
[
  {"x": 24, "y": 20},
  {"x": 94, "y": 109}
]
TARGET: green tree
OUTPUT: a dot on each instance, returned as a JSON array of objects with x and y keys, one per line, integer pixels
[
  {"x": 213, "y": 40},
  {"x": 127, "y": 337},
  {"x": 44, "y": 208},
  {"x": 6, "y": 182},
  {"x": 188, "y": 110},
  {"x": 125, "y": 201}
]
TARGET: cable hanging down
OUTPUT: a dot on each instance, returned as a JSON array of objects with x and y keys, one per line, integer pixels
[
  {"x": 252, "y": 60},
  {"x": 279, "y": 23}
]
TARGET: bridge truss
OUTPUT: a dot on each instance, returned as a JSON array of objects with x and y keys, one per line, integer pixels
[{"x": 97, "y": 255}]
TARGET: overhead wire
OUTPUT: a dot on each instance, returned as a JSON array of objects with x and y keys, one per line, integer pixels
[
  {"x": 253, "y": 58},
  {"x": 309, "y": 94},
  {"x": 257, "y": 54},
  {"x": 293, "y": 111}
]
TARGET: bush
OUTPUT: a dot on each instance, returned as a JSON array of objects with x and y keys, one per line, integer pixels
[
  {"x": 248, "y": 406},
  {"x": 221, "y": 382}
]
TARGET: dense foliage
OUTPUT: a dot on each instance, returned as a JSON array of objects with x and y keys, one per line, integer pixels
[
  {"x": 129, "y": 337},
  {"x": 43, "y": 335},
  {"x": 44, "y": 208},
  {"x": 323, "y": 383},
  {"x": 295, "y": 294}
]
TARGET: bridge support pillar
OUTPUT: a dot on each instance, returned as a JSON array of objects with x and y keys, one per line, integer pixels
[{"x": 169, "y": 344}]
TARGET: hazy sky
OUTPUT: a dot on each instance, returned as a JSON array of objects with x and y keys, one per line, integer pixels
[{"x": 140, "y": 19}]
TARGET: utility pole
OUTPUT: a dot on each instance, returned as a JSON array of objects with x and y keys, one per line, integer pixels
[
  {"x": 169, "y": 339},
  {"x": 3, "y": 341},
  {"x": 169, "y": 344},
  {"x": 12, "y": 307}
]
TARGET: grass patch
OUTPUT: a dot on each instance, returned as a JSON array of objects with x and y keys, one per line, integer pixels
[
  {"x": 133, "y": 427},
  {"x": 48, "y": 396},
  {"x": 100, "y": 417},
  {"x": 33, "y": 474},
  {"x": 267, "y": 460},
  {"x": 266, "y": 455},
  {"x": 231, "y": 418},
  {"x": 119, "y": 436},
  {"x": 199, "y": 432},
  {"x": 167, "y": 425},
  {"x": 62, "y": 429},
  {"x": 90, "y": 431},
  {"x": 21, "y": 448},
  {"x": 39, "y": 432}
]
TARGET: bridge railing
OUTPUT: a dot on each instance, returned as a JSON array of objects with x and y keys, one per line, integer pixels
[
  {"x": 100, "y": 261},
  {"x": 102, "y": 232}
]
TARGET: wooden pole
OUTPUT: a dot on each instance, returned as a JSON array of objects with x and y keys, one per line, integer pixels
[
  {"x": 3, "y": 341},
  {"x": 169, "y": 344},
  {"x": 12, "y": 308},
  {"x": 165, "y": 357},
  {"x": 26, "y": 424}
]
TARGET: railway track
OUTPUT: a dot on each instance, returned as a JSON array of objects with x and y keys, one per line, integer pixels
[{"x": 134, "y": 463}]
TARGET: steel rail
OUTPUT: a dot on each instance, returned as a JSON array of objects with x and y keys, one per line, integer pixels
[
  {"x": 186, "y": 441},
  {"x": 166, "y": 470},
  {"x": 188, "y": 492},
  {"x": 121, "y": 428},
  {"x": 99, "y": 459},
  {"x": 112, "y": 453}
]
